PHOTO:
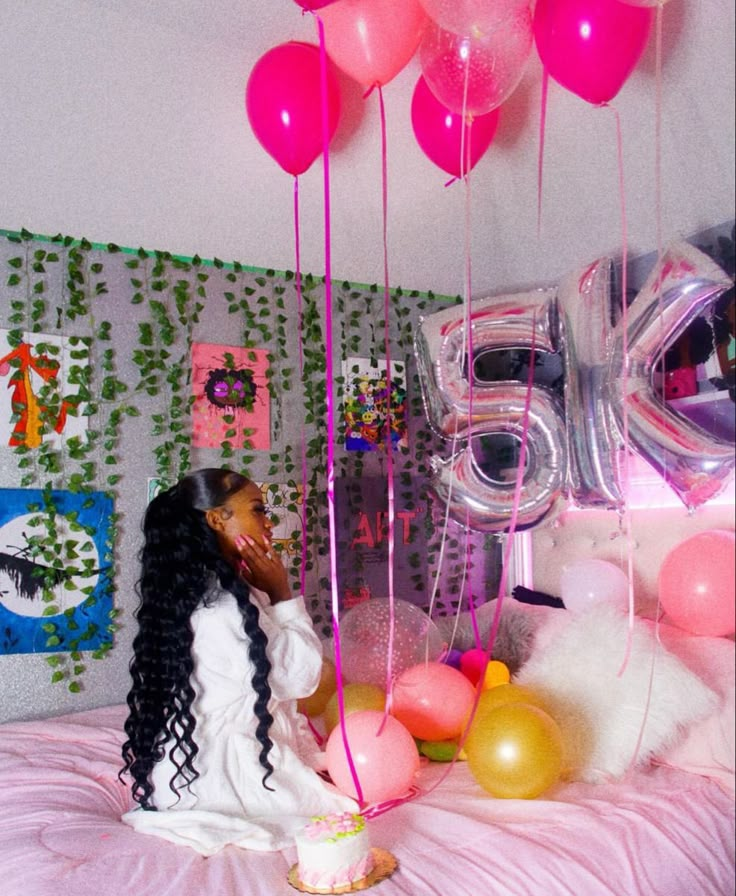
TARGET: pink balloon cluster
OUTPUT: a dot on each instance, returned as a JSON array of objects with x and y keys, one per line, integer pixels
[{"x": 473, "y": 54}]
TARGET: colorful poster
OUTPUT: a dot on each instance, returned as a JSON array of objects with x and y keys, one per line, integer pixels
[
  {"x": 40, "y": 363},
  {"x": 370, "y": 402},
  {"x": 76, "y": 567},
  {"x": 231, "y": 400}
]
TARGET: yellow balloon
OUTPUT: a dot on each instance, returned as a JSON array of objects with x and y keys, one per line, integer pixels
[
  {"x": 355, "y": 696},
  {"x": 505, "y": 693},
  {"x": 497, "y": 673},
  {"x": 514, "y": 750},
  {"x": 314, "y": 705}
]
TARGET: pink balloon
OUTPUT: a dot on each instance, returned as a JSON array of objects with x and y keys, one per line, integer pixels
[
  {"x": 439, "y": 132},
  {"x": 283, "y": 101},
  {"x": 372, "y": 40},
  {"x": 472, "y": 664},
  {"x": 385, "y": 763},
  {"x": 591, "y": 46},
  {"x": 473, "y": 75},
  {"x": 697, "y": 582},
  {"x": 310, "y": 5},
  {"x": 432, "y": 700}
]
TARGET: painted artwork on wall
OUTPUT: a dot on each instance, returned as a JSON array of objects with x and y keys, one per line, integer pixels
[
  {"x": 231, "y": 399},
  {"x": 38, "y": 364},
  {"x": 370, "y": 402},
  {"x": 362, "y": 557},
  {"x": 54, "y": 556}
]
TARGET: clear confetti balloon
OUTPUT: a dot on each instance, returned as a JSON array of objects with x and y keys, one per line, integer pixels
[{"x": 364, "y": 640}]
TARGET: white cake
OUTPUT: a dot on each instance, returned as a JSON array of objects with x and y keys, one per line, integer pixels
[{"x": 333, "y": 851}]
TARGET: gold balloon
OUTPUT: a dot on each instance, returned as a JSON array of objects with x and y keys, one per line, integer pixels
[
  {"x": 514, "y": 750},
  {"x": 314, "y": 705},
  {"x": 355, "y": 696},
  {"x": 505, "y": 693}
]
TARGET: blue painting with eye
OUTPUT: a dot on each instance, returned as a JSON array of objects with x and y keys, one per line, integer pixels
[{"x": 55, "y": 571}]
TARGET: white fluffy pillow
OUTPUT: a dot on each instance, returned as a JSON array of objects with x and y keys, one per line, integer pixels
[{"x": 574, "y": 669}]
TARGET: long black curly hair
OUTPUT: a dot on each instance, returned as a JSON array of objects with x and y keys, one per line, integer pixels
[{"x": 180, "y": 562}]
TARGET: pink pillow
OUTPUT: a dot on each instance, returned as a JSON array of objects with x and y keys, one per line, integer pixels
[{"x": 709, "y": 747}]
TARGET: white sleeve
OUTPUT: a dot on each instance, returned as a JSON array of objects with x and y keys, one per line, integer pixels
[{"x": 294, "y": 649}]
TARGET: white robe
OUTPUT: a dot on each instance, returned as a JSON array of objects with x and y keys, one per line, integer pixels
[{"x": 228, "y": 804}]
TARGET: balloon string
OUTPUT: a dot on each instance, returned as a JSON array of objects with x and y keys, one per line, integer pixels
[
  {"x": 303, "y": 440},
  {"x": 658, "y": 131},
  {"x": 388, "y": 441},
  {"x": 329, "y": 397},
  {"x": 317, "y": 736},
  {"x": 626, "y": 511},
  {"x": 465, "y": 143},
  {"x": 660, "y": 252},
  {"x": 658, "y": 199},
  {"x": 443, "y": 542},
  {"x": 542, "y": 133},
  {"x": 520, "y": 472}
]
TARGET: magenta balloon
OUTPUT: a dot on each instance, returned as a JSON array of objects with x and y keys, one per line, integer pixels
[
  {"x": 283, "y": 100},
  {"x": 591, "y": 47},
  {"x": 439, "y": 132},
  {"x": 310, "y": 5},
  {"x": 697, "y": 581}
]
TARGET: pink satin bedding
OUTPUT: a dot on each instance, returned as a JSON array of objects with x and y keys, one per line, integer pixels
[{"x": 663, "y": 832}]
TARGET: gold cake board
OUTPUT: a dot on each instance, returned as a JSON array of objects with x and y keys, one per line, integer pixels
[{"x": 384, "y": 865}]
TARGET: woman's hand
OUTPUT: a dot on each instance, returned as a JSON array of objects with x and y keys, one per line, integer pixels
[{"x": 261, "y": 567}]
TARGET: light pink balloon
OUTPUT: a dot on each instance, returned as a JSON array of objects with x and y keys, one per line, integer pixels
[
  {"x": 473, "y": 17},
  {"x": 283, "y": 101},
  {"x": 589, "y": 582},
  {"x": 591, "y": 47},
  {"x": 372, "y": 40},
  {"x": 697, "y": 582},
  {"x": 472, "y": 75},
  {"x": 432, "y": 700},
  {"x": 439, "y": 132},
  {"x": 385, "y": 763}
]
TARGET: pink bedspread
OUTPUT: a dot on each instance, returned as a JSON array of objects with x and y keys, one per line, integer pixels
[{"x": 664, "y": 832}]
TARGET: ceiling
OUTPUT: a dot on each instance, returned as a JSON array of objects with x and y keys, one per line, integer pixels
[{"x": 124, "y": 121}]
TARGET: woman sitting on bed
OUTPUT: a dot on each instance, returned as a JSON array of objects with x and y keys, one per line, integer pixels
[{"x": 223, "y": 651}]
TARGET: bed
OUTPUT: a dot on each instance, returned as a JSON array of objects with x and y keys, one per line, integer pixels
[{"x": 664, "y": 828}]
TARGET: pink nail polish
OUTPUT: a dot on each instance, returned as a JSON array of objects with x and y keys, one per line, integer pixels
[
  {"x": 249, "y": 539},
  {"x": 239, "y": 541}
]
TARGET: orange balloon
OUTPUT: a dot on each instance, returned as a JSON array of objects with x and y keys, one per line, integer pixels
[
  {"x": 315, "y": 703},
  {"x": 497, "y": 673},
  {"x": 355, "y": 696},
  {"x": 515, "y": 751}
]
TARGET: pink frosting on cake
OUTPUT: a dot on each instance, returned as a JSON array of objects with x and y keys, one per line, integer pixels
[{"x": 334, "y": 850}]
